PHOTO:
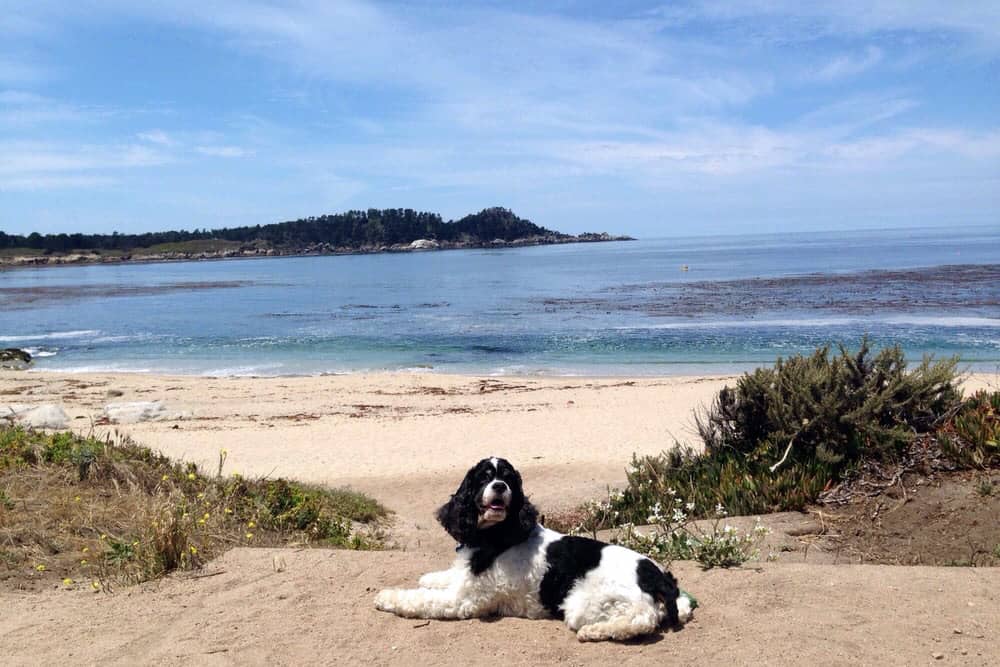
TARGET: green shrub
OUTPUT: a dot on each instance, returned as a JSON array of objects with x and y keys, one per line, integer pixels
[
  {"x": 784, "y": 434},
  {"x": 833, "y": 409}
]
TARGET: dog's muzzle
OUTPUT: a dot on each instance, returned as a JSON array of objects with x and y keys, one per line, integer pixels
[{"x": 496, "y": 499}]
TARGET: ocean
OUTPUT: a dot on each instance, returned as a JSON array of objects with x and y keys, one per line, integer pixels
[{"x": 671, "y": 306}]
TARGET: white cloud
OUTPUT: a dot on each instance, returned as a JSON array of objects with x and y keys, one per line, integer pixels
[
  {"x": 50, "y": 182},
  {"x": 18, "y": 72},
  {"x": 848, "y": 65},
  {"x": 158, "y": 137},
  {"x": 795, "y": 20},
  {"x": 20, "y": 157},
  {"x": 224, "y": 151}
]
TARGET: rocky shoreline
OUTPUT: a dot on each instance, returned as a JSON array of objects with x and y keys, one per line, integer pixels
[{"x": 251, "y": 250}]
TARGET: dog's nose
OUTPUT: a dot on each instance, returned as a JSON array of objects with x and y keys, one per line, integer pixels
[{"x": 499, "y": 487}]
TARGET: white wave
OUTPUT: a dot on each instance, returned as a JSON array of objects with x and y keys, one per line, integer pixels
[
  {"x": 742, "y": 324},
  {"x": 103, "y": 368},
  {"x": 914, "y": 320},
  {"x": 56, "y": 335},
  {"x": 944, "y": 321},
  {"x": 35, "y": 352},
  {"x": 124, "y": 338},
  {"x": 242, "y": 371}
]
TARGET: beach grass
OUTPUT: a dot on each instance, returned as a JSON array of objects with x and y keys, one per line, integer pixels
[{"x": 98, "y": 513}]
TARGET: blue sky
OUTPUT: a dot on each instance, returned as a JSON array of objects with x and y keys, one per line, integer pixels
[{"x": 653, "y": 119}]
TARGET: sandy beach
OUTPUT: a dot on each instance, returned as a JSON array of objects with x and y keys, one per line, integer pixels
[{"x": 406, "y": 439}]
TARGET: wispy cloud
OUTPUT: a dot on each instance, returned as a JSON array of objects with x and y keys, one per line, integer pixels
[
  {"x": 849, "y": 64},
  {"x": 419, "y": 104},
  {"x": 37, "y": 157},
  {"x": 158, "y": 137},
  {"x": 224, "y": 151}
]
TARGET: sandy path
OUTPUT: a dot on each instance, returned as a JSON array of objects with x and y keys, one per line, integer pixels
[
  {"x": 318, "y": 610},
  {"x": 407, "y": 439}
]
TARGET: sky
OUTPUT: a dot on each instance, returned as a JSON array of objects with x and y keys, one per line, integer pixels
[{"x": 645, "y": 118}]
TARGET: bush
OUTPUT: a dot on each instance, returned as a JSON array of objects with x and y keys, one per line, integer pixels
[
  {"x": 835, "y": 410},
  {"x": 784, "y": 434}
]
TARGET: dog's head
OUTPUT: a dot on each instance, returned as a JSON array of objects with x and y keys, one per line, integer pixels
[{"x": 489, "y": 502}]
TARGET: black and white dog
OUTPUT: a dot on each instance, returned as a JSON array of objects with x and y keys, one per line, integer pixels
[{"x": 509, "y": 565}]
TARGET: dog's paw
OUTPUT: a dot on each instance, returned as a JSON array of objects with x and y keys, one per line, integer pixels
[{"x": 386, "y": 600}]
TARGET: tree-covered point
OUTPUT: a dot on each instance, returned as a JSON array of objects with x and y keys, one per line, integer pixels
[{"x": 353, "y": 229}]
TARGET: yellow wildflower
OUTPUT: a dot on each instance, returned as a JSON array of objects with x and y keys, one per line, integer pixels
[
  {"x": 191, "y": 475},
  {"x": 249, "y": 536},
  {"x": 40, "y": 567},
  {"x": 67, "y": 581}
]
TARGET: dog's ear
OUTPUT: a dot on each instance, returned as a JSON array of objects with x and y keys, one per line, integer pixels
[
  {"x": 524, "y": 513},
  {"x": 527, "y": 517},
  {"x": 460, "y": 515}
]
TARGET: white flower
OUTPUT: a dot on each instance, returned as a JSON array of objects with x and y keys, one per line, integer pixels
[{"x": 689, "y": 507}]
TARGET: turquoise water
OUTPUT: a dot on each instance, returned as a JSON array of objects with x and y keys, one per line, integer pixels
[{"x": 650, "y": 307}]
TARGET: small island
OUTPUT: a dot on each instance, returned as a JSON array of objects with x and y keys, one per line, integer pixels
[{"x": 371, "y": 231}]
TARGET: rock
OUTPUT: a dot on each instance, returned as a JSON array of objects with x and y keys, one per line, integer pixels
[
  {"x": 47, "y": 415},
  {"x": 424, "y": 244},
  {"x": 134, "y": 412},
  {"x": 14, "y": 358},
  {"x": 114, "y": 393}
]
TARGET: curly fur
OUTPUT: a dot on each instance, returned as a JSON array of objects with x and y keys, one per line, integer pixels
[{"x": 512, "y": 566}]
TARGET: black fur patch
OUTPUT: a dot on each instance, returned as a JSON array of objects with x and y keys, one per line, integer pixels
[
  {"x": 660, "y": 585},
  {"x": 569, "y": 558}
]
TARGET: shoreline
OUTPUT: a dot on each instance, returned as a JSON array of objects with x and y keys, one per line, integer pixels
[{"x": 90, "y": 258}]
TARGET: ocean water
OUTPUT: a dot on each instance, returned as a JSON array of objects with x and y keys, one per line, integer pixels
[{"x": 648, "y": 307}]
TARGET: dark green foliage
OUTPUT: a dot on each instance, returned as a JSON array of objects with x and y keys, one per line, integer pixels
[
  {"x": 827, "y": 412},
  {"x": 353, "y": 229},
  {"x": 835, "y": 409},
  {"x": 741, "y": 487}
]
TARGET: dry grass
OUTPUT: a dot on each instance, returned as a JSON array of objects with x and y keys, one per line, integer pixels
[{"x": 78, "y": 511}]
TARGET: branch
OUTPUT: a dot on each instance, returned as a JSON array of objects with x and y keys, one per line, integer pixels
[{"x": 785, "y": 456}]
